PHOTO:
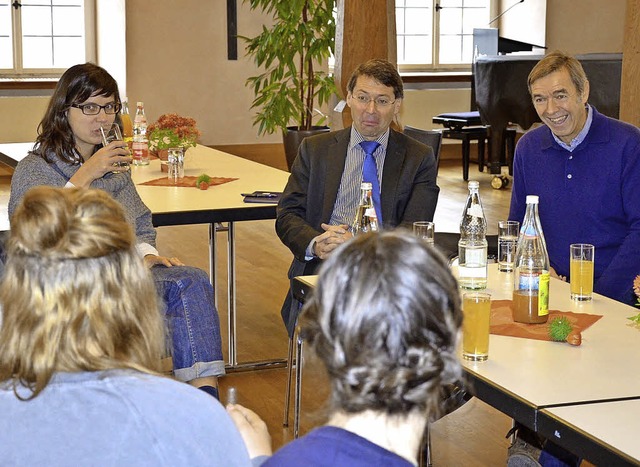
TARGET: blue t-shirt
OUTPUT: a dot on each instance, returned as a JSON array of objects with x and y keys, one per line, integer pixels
[{"x": 117, "y": 418}]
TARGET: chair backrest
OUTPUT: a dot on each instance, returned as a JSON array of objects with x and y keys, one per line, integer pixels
[{"x": 431, "y": 138}]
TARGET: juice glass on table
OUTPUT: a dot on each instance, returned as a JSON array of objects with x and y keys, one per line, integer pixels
[
  {"x": 476, "y": 308},
  {"x": 581, "y": 270}
]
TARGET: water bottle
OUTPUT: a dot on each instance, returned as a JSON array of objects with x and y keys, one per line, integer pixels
[
  {"x": 140, "y": 141},
  {"x": 531, "y": 268},
  {"x": 472, "y": 247},
  {"x": 366, "y": 219}
]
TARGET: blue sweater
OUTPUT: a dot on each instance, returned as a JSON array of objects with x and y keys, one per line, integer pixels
[
  {"x": 590, "y": 195},
  {"x": 330, "y": 446}
]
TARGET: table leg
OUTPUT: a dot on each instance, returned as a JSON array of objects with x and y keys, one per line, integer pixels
[
  {"x": 232, "y": 364},
  {"x": 231, "y": 291},
  {"x": 213, "y": 229}
]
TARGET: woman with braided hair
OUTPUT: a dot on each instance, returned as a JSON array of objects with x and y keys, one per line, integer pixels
[{"x": 384, "y": 320}]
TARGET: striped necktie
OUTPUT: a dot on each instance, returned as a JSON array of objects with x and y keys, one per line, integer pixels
[{"x": 370, "y": 174}]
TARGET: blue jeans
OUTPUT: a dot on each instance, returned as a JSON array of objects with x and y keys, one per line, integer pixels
[{"x": 192, "y": 321}]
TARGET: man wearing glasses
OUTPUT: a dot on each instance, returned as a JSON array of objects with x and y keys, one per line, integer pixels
[{"x": 322, "y": 195}]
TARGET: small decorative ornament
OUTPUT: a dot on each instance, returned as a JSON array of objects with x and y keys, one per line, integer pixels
[
  {"x": 561, "y": 330},
  {"x": 203, "y": 182}
]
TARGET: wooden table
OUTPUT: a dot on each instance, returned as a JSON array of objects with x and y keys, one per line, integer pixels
[
  {"x": 171, "y": 205},
  {"x": 530, "y": 379}
]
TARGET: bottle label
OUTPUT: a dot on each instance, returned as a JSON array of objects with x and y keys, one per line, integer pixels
[
  {"x": 475, "y": 210},
  {"x": 543, "y": 294},
  {"x": 530, "y": 281},
  {"x": 370, "y": 213},
  {"x": 140, "y": 150},
  {"x": 475, "y": 256}
]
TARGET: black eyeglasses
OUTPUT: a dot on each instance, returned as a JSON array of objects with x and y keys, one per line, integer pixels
[{"x": 94, "y": 109}]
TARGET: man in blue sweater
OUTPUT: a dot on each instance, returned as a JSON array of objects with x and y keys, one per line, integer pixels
[{"x": 585, "y": 167}]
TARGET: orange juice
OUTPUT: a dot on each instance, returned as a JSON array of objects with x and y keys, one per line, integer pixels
[
  {"x": 475, "y": 327},
  {"x": 127, "y": 129},
  {"x": 581, "y": 273}
]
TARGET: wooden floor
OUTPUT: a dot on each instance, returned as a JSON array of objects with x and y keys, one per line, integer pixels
[{"x": 471, "y": 436}]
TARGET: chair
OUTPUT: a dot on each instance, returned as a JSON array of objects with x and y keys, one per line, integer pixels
[
  {"x": 432, "y": 138},
  {"x": 298, "y": 362},
  {"x": 466, "y": 127}
]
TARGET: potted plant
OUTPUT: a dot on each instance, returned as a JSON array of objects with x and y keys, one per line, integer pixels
[
  {"x": 171, "y": 131},
  {"x": 301, "y": 38}
]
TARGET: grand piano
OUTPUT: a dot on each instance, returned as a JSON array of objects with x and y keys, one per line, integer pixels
[{"x": 502, "y": 97}]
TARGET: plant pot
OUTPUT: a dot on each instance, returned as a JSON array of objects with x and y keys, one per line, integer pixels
[{"x": 292, "y": 138}]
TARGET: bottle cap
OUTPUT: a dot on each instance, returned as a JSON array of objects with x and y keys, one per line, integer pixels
[
  {"x": 532, "y": 199},
  {"x": 366, "y": 186},
  {"x": 139, "y": 104},
  {"x": 474, "y": 184}
]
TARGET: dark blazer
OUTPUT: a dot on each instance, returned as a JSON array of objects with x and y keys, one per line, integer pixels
[{"x": 409, "y": 193}]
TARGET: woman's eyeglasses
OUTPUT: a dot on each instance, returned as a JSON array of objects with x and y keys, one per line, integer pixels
[{"x": 94, "y": 109}]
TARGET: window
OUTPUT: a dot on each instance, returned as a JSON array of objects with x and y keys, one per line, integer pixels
[
  {"x": 44, "y": 37},
  {"x": 438, "y": 34}
]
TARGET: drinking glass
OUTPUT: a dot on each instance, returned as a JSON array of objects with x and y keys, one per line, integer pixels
[
  {"x": 581, "y": 270},
  {"x": 507, "y": 240},
  {"x": 476, "y": 307},
  {"x": 424, "y": 230},
  {"x": 112, "y": 133},
  {"x": 175, "y": 164}
]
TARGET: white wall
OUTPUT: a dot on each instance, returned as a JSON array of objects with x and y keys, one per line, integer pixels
[{"x": 19, "y": 118}]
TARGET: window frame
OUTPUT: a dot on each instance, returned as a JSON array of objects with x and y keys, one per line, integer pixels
[
  {"x": 18, "y": 72},
  {"x": 436, "y": 67}
]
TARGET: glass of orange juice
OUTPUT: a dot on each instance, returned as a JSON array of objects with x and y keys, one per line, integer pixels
[
  {"x": 476, "y": 308},
  {"x": 581, "y": 270}
]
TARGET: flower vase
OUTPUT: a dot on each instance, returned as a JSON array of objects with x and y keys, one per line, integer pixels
[{"x": 163, "y": 155}]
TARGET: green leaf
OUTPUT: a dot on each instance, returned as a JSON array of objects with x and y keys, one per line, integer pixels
[{"x": 301, "y": 36}]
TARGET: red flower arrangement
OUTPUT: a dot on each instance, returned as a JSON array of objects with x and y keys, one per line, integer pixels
[
  {"x": 172, "y": 130},
  {"x": 636, "y": 290}
]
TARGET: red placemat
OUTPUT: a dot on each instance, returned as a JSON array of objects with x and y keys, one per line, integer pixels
[
  {"x": 188, "y": 181},
  {"x": 502, "y": 322}
]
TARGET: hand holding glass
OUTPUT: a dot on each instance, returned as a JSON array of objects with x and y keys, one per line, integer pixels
[
  {"x": 581, "y": 271},
  {"x": 110, "y": 134},
  {"x": 476, "y": 308},
  {"x": 508, "y": 232},
  {"x": 424, "y": 230}
]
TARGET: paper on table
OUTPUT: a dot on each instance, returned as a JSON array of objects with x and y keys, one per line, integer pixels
[
  {"x": 502, "y": 322},
  {"x": 187, "y": 181}
]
